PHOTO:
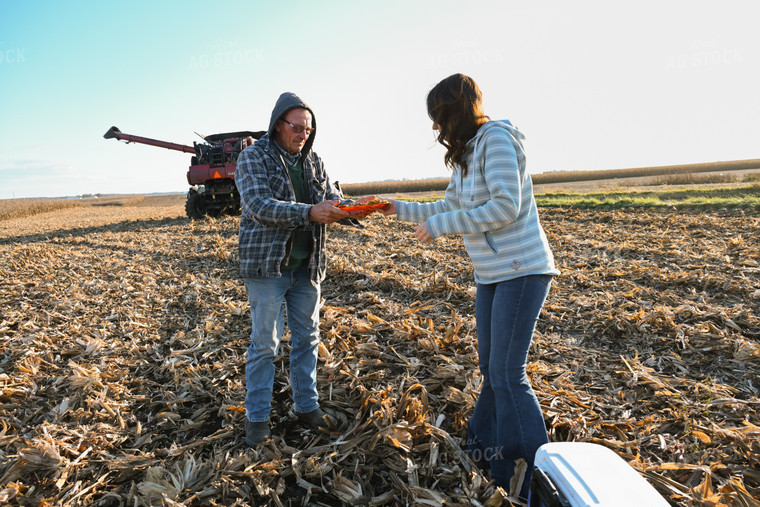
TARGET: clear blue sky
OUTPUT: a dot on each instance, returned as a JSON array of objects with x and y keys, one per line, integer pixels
[{"x": 593, "y": 85}]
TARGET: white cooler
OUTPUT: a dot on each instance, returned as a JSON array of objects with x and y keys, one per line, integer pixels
[{"x": 582, "y": 474}]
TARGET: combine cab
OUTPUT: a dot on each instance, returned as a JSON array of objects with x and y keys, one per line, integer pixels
[{"x": 211, "y": 174}]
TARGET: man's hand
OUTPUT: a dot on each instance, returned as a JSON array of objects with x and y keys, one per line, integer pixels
[{"x": 326, "y": 213}]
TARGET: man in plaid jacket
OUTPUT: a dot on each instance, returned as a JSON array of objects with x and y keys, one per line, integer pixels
[{"x": 286, "y": 201}]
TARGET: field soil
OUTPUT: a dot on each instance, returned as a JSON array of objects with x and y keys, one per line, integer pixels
[{"x": 124, "y": 330}]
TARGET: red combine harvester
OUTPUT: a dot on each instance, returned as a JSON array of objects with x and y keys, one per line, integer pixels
[{"x": 212, "y": 169}]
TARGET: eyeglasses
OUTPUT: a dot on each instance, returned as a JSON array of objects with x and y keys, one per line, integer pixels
[{"x": 299, "y": 129}]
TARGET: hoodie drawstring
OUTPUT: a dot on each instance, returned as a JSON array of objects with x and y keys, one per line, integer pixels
[{"x": 472, "y": 169}]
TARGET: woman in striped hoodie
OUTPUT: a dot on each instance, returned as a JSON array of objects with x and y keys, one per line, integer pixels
[{"x": 489, "y": 200}]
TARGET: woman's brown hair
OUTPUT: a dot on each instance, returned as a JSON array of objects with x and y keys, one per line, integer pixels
[{"x": 456, "y": 106}]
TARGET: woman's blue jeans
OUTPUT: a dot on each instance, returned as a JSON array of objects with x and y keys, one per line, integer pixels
[
  {"x": 507, "y": 423},
  {"x": 270, "y": 298}
]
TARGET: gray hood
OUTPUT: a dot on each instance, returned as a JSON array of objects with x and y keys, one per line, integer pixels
[
  {"x": 505, "y": 124},
  {"x": 478, "y": 159},
  {"x": 285, "y": 103}
]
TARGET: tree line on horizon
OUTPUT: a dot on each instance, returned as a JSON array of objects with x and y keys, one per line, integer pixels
[{"x": 440, "y": 184}]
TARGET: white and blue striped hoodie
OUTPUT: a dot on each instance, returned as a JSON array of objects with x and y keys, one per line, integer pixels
[{"x": 493, "y": 207}]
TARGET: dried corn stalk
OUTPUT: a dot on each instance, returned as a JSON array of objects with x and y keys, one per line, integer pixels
[{"x": 123, "y": 335}]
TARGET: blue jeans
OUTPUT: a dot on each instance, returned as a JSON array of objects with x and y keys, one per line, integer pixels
[
  {"x": 270, "y": 298},
  {"x": 507, "y": 423}
]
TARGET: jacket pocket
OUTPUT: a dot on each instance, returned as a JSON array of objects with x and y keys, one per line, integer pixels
[{"x": 490, "y": 242}]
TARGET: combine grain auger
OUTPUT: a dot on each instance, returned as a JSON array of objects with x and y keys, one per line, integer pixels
[{"x": 211, "y": 174}]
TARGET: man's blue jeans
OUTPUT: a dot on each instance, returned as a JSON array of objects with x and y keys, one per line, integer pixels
[
  {"x": 270, "y": 298},
  {"x": 507, "y": 423}
]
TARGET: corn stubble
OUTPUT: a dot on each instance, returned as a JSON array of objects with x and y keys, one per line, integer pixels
[{"x": 124, "y": 335}]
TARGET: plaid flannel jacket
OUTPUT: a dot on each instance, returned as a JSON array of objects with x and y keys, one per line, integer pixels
[{"x": 269, "y": 213}]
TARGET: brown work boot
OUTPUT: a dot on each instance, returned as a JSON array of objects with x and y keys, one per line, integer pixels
[
  {"x": 256, "y": 432},
  {"x": 316, "y": 419}
]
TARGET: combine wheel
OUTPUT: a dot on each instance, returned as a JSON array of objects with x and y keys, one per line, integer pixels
[
  {"x": 195, "y": 207},
  {"x": 215, "y": 211}
]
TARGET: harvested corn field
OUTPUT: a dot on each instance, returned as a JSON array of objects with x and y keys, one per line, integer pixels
[{"x": 124, "y": 329}]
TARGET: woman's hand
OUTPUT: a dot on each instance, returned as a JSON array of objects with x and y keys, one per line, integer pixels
[
  {"x": 390, "y": 209},
  {"x": 423, "y": 233}
]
